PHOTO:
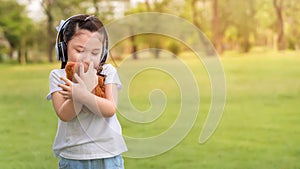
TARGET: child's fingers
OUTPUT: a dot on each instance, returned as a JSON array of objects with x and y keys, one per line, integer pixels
[
  {"x": 91, "y": 65},
  {"x": 65, "y": 94},
  {"x": 64, "y": 87},
  {"x": 79, "y": 80},
  {"x": 81, "y": 69},
  {"x": 67, "y": 81}
]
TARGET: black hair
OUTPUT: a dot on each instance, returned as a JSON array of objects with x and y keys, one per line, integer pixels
[{"x": 86, "y": 22}]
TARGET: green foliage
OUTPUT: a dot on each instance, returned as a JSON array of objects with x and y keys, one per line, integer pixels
[
  {"x": 175, "y": 48},
  {"x": 241, "y": 24},
  {"x": 11, "y": 19},
  {"x": 4, "y": 45},
  {"x": 17, "y": 28}
]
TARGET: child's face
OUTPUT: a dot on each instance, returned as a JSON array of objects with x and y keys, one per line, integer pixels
[{"x": 85, "y": 46}]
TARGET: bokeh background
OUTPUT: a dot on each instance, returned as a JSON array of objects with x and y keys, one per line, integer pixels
[{"x": 257, "y": 42}]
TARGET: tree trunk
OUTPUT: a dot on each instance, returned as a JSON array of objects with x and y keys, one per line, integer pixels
[
  {"x": 195, "y": 14},
  {"x": 217, "y": 35},
  {"x": 156, "y": 53},
  {"x": 51, "y": 35},
  {"x": 148, "y": 5},
  {"x": 11, "y": 53},
  {"x": 280, "y": 34},
  {"x": 134, "y": 52},
  {"x": 47, "y": 6},
  {"x": 21, "y": 52},
  {"x": 246, "y": 45},
  {"x": 206, "y": 45},
  {"x": 134, "y": 46},
  {"x": 21, "y": 56}
]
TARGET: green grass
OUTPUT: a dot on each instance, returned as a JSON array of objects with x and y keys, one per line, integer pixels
[{"x": 259, "y": 128}]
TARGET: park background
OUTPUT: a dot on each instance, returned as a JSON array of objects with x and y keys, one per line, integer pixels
[{"x": 257, "y": 41}]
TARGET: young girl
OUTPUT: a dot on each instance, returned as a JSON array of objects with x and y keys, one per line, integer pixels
[{"x": 89, "y": 134}]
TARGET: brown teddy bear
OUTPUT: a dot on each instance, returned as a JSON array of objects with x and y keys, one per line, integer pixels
[{"x": 73, "y": 67}]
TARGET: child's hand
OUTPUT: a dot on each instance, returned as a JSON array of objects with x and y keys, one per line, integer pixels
[
  {"x": 89, "y": 78},
  {"x": 67, "y": 88},
  {"x": 67, "y": 93},
  {"x": 79, "y": 90}
]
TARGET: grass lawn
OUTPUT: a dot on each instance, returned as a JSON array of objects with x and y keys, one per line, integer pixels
[{"x": 259, "y": 127}]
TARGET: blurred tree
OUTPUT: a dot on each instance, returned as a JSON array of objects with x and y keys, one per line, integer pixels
[
  {"x": 198, "y": 6},
  {"x": 264, "y": 19},
  {"x": 278, "y": 5},
  {"x": 231, "y": 24},
  {"x": 134, "y": 44},
  {"x": 217, "y": 34},
  {"x": 107, "y": 10},
  {"x": 54, "y": 9},
  {"x": 155, "y": 44},
  {"x": 219, "y": 24},
  {"x": 17, "y": 28},
  {"x": 47, "y": 6},
  {"x": 292, "y": 27},
  {"x": 4, "y": 45},
  {"x": 96, "y": 7},
  {"x": 132, "y": 27},
  {"x": 195, "y": 13},
  {"x": 241, "y": 17},
  {"x": 175, "y": 48}
]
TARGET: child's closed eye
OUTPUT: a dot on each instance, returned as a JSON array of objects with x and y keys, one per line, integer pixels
[
  {"x": 96, "y": 52},
  {"x": 79, "y": 51}
]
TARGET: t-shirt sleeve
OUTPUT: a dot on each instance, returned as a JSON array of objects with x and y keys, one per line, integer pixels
[
  {"x": 54, "y": 80},
  {"x": 112, "y": 76}
]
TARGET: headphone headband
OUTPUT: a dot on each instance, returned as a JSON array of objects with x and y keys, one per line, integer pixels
[{"x": 61, "y": 45}]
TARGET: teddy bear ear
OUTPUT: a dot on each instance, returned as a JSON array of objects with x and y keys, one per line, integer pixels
[{"x": 69, "y": 69}]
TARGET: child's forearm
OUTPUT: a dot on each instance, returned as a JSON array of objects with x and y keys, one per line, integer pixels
[
  {"x": 98, "y": 105},
  {"x": 67, "y": 110},
  {"x": 105, "y": 107}
]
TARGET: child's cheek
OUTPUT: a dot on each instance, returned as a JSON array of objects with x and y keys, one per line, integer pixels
[
  {"x": 73, "y": 56},
  {"x": 96, "y": 63}
]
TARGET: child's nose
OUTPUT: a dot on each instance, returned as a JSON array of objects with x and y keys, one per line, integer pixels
[{"x": 85, "y": 57}]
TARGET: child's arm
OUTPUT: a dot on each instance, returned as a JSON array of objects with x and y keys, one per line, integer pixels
[
  {"x": 80, "y": 93},
  {"x": 64, "y": 108},
  {"x": 105, "y": 107}
]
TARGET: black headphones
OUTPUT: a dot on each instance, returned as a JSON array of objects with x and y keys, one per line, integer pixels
[{"x": 61, "y": 45}]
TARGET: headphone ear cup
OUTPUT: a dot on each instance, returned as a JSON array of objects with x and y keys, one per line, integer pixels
[
  {"x": 104, "y": 56},
  {"x": 57, "y": 49},
  {"x": 61, "y": 51}
]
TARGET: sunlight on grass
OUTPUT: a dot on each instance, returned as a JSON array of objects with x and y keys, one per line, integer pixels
[{"x": 259, "y": 128}]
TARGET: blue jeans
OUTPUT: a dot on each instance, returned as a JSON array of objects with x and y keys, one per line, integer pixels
[{"x": 105, "y": 163}]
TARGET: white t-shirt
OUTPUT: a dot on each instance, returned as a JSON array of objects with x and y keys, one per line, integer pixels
[{"x": 88, "y": 136}]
